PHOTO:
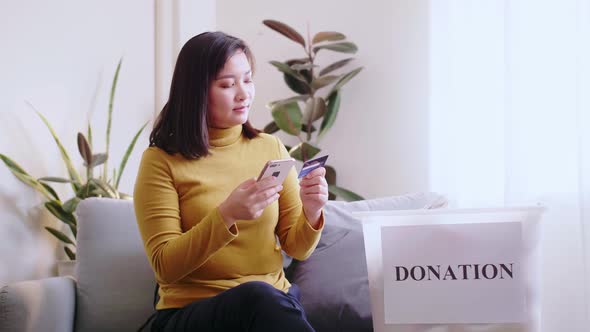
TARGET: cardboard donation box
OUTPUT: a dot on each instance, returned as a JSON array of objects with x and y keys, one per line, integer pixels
[{"x": 454, "y": 269}]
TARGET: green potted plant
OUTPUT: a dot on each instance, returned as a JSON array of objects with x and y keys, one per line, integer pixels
[
  {"x": 310, "y": 114},
  {"x": 103, "y": 185}
]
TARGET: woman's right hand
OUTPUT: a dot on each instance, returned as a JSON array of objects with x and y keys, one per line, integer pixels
[{"x": 249, "y": 200}]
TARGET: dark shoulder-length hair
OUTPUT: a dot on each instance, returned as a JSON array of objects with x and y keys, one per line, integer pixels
[{"x": 181, "y": 126}]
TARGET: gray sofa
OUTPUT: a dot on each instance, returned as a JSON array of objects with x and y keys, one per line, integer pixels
[{"x": 113, "y": 285}]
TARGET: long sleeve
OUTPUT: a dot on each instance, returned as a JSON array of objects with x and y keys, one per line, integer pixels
[
  {"x": 295, "y": 233},
  {"x": 172, "y": 253}
]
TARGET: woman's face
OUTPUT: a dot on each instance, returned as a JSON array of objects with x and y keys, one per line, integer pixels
[{"x": 231, "y": 93}]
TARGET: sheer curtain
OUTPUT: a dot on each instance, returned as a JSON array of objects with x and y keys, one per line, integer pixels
[{"x": 510, "y": 125}]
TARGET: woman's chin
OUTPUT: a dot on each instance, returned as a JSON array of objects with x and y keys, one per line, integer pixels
[{"x": 241, "y": 117}]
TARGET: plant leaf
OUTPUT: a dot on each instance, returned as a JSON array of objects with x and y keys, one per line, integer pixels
[
  {"x": 87, "y": 190},
  {"x": 302, "y": 66},
  {"x": 59, "y": 235},
  {"x": 74, "y": 230},
  {"x": 327, "y": 36},
  {"x": 70, "y": 253},
  {"x": 304, "y": 128},
  {"x": 335, "y": 65},
  {"x": 82, "y": 193},
  {"x": 12, "y": 165},
  {"x": 342, "y": 47},
  {"x": 285, "y": 68},
  {"x": 345, "y": 78},
  {"x": 113, "y": 191},
  {"x": 297, "y": 81},
  {"x": 305, "y": 73},
  {"x": 296, "y": 85},
  {"x": 50, "y": 190},
  {"x": 97, "y": 192},
  {"x": 330, "y": 175},
  {"x": 58, "y": 211},
  {"x": 330, "y": 179},
  {"x": 322, "y": 81},
  {"x": 331, "y": 113},
  {"x": 74, "y": 176},
  {"x": 89, "y": 170},
  {"x": 98, "y": 159},
  {"x": 271, "y": 128},
  {"x": 84, "y": 149},
  {"x": 125, "y": 196},
  {"x": 288, "y": 117},
  {"x": 300, "y": 61},
  {"x": 54, "y": 179},
  {"x": 286, "y": 101},
  {"x": 110, "y": 113},
  {"x": 71, "y": 204},
  {"x": 345, "y": 194},
  {"x": 89, "y": 135},
  {"x": 106, "y": 188},
  {"x": 285, "y": 30},
  {"x": 24, "y": 177},
  {"x": 304, "y": 151},
  {"x": 127, "y": 154},
  {"x": 315, "y": 108}
]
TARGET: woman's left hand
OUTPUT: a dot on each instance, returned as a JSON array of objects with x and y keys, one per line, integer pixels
[{"x": 314, "y": 194}]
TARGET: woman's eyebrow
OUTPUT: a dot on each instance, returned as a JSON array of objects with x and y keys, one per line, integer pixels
[{"x": 232, "y": 76}]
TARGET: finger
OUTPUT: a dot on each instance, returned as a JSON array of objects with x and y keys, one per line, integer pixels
[
  {"x": 265, "y": 194},
  {"x": 320, "y": 171},
  {"x": 272, "y": 199},
  {"x": 318, "y": 180},
  {"x": 315, "y": 198},
  {"x": 267, "y": 182},
  {"x": 317, "y": 184},
  {"x": 262, "y": 185},
  {"x": 314, "y": 190},
  {"x": 247, "y": 184},
  {"x": 266, "y": 202}
]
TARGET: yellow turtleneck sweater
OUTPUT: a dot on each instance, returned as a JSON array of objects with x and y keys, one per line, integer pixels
[{"x": 192, "y": 252}]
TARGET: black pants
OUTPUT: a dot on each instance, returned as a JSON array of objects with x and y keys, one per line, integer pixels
[{"x": 252, "y": 306}]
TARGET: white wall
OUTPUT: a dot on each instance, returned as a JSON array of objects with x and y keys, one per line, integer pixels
[
  {"x": 60, "y": 56},
  {"x": 378, "y": 144},
  {"x": 176, "y": 22}
]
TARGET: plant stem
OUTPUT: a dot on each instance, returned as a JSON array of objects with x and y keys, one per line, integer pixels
[{"x": 312, "y": 92}]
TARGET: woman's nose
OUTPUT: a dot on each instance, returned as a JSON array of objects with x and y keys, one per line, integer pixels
[{"x": 242, "y": 93}]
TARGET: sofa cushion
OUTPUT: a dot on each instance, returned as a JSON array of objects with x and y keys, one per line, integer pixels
[
  {"x": 115, "y": 283},
  {"x": 333, "y": 280}
]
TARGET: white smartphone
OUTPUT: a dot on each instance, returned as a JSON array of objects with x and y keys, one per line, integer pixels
[{"x": 278, "y": 168}]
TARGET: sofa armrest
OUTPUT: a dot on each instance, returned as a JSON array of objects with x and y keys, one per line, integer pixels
[{"x": 38, "y": 305}]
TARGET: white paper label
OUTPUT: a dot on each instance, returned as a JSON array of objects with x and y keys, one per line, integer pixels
[{"x": 453, "y": 274}]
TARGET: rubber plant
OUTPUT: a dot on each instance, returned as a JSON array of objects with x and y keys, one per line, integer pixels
[
  {"x": 311, "y": 113},
  {"x": 82, "y": 187}
]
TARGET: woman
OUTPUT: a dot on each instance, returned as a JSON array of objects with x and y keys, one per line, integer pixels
[{"x": 209, "y": 228}]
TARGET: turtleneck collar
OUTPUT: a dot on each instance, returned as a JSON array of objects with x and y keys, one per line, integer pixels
[{"x": 223, "y": 137}]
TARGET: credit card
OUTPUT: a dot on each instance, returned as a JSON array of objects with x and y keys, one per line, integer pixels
[{"x": 312, "y": 164}]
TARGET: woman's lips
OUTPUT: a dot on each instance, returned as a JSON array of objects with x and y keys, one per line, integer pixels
[{"x": 241, "y": 109}]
